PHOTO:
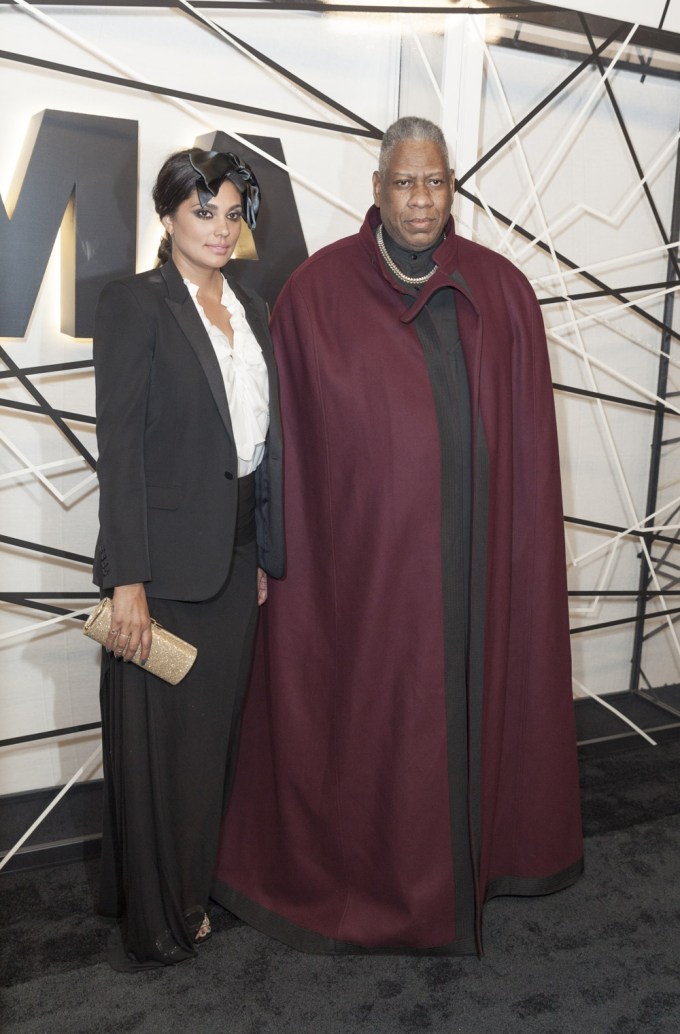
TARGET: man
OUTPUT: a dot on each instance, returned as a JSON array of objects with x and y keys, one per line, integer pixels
[{"x": 408, "y": 748}]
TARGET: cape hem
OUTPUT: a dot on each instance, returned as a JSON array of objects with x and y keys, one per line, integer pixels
[
  {"x": 524, "y": 886},
  {"x": 302, "y": 939}
]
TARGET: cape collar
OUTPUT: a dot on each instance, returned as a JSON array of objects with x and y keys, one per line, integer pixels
[
  {"x": 445, "y": 255},
  {"x": 412, "y": 263}
]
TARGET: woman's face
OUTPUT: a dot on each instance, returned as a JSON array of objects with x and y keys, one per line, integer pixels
[{"x": 204, "y": 237}]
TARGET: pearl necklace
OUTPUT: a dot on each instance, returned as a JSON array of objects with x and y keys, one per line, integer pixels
[{"x": 394, "y": 268}]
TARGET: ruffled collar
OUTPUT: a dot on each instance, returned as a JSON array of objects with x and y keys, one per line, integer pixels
[{"x": 246, "y": 346}]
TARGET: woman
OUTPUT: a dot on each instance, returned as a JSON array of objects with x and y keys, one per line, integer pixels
[{"x": 190, "y": 476}]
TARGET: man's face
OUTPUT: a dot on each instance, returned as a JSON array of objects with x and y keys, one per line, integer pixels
[{"x": 415, "y": 194}]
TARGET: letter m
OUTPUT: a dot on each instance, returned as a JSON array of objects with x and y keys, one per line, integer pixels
[{"x": 81, "y": 172}]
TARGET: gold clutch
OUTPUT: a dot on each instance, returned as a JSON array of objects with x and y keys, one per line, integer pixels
[{"x": 170, "y": 657}]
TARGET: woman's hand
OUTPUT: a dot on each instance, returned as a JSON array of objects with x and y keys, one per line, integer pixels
[
  {"x": 130, "y": 622},
  {"x": 261, "y": 587}
]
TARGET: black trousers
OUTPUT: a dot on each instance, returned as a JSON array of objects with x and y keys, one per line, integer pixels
[{"x": 168, "y": 758}]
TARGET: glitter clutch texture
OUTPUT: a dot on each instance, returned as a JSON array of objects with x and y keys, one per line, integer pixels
[{"x": 170, "y": 657}]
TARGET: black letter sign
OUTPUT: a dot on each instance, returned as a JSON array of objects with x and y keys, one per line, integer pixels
[
  {"x": 279, "y": 239},
  {"x": 84, "y": 167}
]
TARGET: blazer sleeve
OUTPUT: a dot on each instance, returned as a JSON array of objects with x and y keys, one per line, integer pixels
[{"x": 124, "y": 341}]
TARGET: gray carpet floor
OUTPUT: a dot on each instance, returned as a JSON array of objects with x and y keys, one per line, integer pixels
[{"x": 600, "y": 958}]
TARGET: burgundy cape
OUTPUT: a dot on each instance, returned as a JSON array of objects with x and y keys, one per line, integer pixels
[{"x": 383, "y": 790}]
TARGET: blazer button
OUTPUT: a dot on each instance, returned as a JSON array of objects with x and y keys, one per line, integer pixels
[{"x": 228, "y": 475}]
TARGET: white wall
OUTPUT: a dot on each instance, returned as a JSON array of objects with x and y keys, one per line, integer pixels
[
  {"x": 569, "y": 179},
  {"x": 379, "y": 66}
]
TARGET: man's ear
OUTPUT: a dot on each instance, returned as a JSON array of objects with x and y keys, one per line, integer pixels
[{"x": 376, "y": 189}]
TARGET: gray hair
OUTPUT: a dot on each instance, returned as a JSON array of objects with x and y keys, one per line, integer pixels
[{"x": 410, "y": 128}]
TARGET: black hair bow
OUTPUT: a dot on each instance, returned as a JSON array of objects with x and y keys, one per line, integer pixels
[{"x": 214, "y": 167}]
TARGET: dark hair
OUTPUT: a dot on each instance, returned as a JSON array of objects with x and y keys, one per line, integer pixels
[
  {"x": 176, "y": 181},
  {"x": 201, "y": 172}
]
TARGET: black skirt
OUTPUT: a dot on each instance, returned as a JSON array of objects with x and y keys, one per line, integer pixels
[{"x": 169, "y": 753}]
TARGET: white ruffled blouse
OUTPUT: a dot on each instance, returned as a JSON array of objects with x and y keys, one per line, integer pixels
[{"x": 245, "y": 379}]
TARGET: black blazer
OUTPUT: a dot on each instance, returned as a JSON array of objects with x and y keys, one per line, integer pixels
[{"x": 167, "y": 463}]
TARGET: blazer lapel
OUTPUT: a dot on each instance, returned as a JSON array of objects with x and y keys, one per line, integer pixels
[{"x": 181, "y": 304}]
